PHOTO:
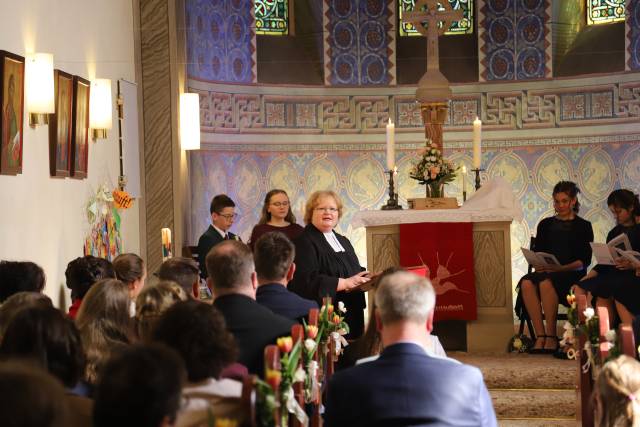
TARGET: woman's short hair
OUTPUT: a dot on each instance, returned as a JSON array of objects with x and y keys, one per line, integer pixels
[
  {"x": 314, "y": 201},
  {"x": 624, "y": 199},
  {"x": 50, "y": 339},
  {"x": 198, "y": 332},
  {"x": 128, "y": 267},
  {"x": 83, "y": 272},
  {"x": 104, "y": 322},
  {"x": 18, "y": 302},
  {"x": 617, "y": 393},
  {"x": 266, "y": 216},
  {"x": 570, "y": 189},
  {"x": 20, "y": 276},
  {"x": 152, "y": 302}
]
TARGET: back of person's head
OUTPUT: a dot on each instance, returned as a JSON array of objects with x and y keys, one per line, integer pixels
[
  {"x": 220, "y": 202},
  {"x": 18, "y": 302},
  {"x": 183, "y": 271},
  {"x": 404, "y": 296},
  {"x": 197, "y": 331},
  {"x": 83, "y": 272},
  {"x": 128, "y": 267},
  {"x": 30, "y": 397},
  {"x": 624, "y": 199},
  {"x": 273, "y": 255},
  {"x": 152, "y": 302},
  {"x": 139, "y": 387},
  {"x": 230, "y": 265},
  {"x": 570, "y": 189},
  {"x": 104, "y": 322},
  {"x": 617, "y": 393},
  {"x": 50, "y": 339},
  {"x": 20, "y": 276}
]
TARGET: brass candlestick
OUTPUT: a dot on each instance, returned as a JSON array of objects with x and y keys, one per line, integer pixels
[
  {"x": 392, "y": 202},
  {"x": 477, "y": 172}
]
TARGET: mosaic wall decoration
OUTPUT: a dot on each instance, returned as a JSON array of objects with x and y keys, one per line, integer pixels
[
  {"x": 633, "y": 35},
  {"x": 514, "y": 39},
  {"x": 358, "y": 177},
  {"x": 359, "y": 42},
  {"x": 221, "y": 40},
  {"x": 272, "y": 17},
  {"x": 605, "y": 11},
  {"x": 464, "y": 26},
  {"x": 580, "y": 102}
]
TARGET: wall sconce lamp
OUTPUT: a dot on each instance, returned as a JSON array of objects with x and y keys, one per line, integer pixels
[
  {"x": 190, "y": 121},
  {"x": 100, "y": 108},
  {"x": 39, "y": 100}
]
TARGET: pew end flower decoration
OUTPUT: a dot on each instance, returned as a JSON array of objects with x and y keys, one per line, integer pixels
[{"x": 433, "y": 170}]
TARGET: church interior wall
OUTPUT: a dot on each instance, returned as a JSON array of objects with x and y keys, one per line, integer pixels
[{"x": 44, "y": 219}]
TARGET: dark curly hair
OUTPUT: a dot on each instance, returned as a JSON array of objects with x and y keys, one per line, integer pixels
[
  {"x": 47, "y": 337},
  {"x": 624, "y": 199},
  {"x": 83, "y": 272},
  {"x": 197, "y": 331},
  {"x": 20, "y": 276},
  {"x": 570, "y": 189}
]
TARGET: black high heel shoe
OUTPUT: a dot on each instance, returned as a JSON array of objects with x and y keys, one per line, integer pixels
[
  {"x": 551, "y": 350},
  {"x": 540, "y": 350}
]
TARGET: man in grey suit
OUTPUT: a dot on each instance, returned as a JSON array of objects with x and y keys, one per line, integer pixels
[{"x": 407, "y": 386}]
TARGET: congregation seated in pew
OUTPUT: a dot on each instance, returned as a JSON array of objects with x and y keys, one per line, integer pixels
[
  {"x": 273, "y": 254},
  {"x": 183, "y": 271},
  {"x": 406, "y": 385},
  {"x": 20, "y": 276},
  {"x": 152, "y": 302},
  {"x": 233, "y": 281},
  {"x": 81, "y": 274}
]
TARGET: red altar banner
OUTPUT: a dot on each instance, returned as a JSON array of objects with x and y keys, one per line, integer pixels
[{"x": 447, "y": 249}]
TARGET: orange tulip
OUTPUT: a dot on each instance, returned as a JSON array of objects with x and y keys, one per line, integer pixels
[
  {"x": 285, "y": 344},
  {"x": 336, "y": 319},
  {"x": 312, "y": 331},
  {"x": 273, "y": 378},
  {"x": 571, "y": 298},
  {"x": 330, "y": 309}
]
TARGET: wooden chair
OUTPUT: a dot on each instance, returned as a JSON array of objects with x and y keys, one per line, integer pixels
[
  {"x": 315, "y": 420},
  {"x": 585, "y": 380},
  {"x": 249, "y": 400},
  {"x": 297, "y": 333},
  {"x": 272, "y": 363},
  {"x": 627, "y": 340},
  {"x": 603, "y": 321}
]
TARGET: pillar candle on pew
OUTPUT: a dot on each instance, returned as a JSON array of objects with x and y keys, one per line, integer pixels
[
  {"x": 391, "y": 148},
  {"x": 166, "y": 244},
  {"x": 477, "y": 150}
]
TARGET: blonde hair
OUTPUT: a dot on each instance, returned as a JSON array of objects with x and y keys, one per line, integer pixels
[
  {"x": 313, "y": 202},
  {"x": 617, "y": 393},
  {"x": 152, "y": 302},
  {"x": 104, "y": 323}
]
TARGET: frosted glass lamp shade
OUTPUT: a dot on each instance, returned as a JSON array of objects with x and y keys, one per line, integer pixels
[
  {"x": 190, "y": 121},
  {"x": 39, "y": 83}
]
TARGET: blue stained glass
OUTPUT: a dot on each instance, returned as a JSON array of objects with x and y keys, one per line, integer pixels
[{"x": 464, "y": 26}]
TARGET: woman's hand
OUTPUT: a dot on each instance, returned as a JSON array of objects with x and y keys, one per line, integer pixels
[
  {"x": 353, "y": 282},
  {"x": 624, "y": 264}
]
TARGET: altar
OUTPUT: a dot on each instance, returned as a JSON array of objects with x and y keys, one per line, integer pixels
[{"x": 494, "y": 324}]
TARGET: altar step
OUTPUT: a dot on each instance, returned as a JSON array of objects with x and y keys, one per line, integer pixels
[{"x": 528, "y": 390}]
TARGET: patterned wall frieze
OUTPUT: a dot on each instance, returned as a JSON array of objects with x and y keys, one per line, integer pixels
[
  {"x": 359, "y": 42},
  {"x": 221, "y": 40},
  {"x": 514, "y": 39},
  {"x": 547, "y": 104},
  {"x": 632, "y": 39}
]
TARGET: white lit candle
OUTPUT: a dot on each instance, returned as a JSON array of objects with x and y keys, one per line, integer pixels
[
  {"x": 477, "y": 136},
  {"x": 391, "y": 149},
  {"x": 464, "y": 178},
  {"x": 166, "y": 244}
]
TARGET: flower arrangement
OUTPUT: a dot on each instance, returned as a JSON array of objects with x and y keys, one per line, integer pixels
[{"x": 433, "y": 170}]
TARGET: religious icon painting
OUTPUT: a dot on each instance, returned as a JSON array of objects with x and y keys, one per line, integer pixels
[
  {"x": 12, "y": 108},
  {"x": 80, "y": 128},
  {"x": 60, "y": 123}
]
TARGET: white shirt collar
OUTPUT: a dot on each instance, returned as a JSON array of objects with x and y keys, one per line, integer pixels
[
  {"x": 222, "y": 233},
  {"x": 333, "y": 241}
]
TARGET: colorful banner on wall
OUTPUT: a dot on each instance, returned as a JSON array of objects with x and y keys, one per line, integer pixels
[
  {"x": 447, "y": 249},
  {"x": 104, "y": 239}
]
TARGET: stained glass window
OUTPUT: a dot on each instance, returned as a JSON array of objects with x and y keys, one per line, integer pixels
[
  {"x": 464, "y": 26},
  {"x": 605, "y": 11},
  {"x": 272, "y": 17}
]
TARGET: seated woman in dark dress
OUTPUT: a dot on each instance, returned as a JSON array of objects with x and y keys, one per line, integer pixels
[
  {"x": 276, "y": 216},
  {"x": 567, "y": 236},
  {"x": 326, "y": 263},
  {"x": 603, "y": 281}
]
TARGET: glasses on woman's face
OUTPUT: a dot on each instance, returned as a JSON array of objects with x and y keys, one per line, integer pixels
[
  {"x": 280, "y": 204},
  {"x": 327, "y": 210}
]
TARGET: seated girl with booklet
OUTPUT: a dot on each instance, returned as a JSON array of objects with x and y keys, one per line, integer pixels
[
  {"x": 606, "y": 283},
  {"x": 566, "y": 236}
]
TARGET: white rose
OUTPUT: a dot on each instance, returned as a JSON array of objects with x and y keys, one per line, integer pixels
[
  {"x": 589, "y": 313},
  {"x": 432, "y": 158},
  {"x": 299, "y": 376},
  {"x": 610, "y": 335},
  {"x": 309, "y": 344},
  {"x": 341, "y": 307}
]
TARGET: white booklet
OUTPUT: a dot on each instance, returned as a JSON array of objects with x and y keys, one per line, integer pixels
[
  {"x": 632, "y": 256},
  {"x": 607, "y": 254},
  {"x": 540, "y": 259}
]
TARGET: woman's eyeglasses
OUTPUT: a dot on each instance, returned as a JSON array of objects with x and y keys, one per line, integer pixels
[
  {"x": 330, "y": 210},
  {"x": 280, "y": 204}
]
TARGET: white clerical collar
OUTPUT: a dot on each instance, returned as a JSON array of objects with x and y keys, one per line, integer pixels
[
  {"x": 222, "y": 233},
  {"x": 333, "y": 241}
]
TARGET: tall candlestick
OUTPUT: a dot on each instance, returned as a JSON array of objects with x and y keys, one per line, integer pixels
[
  {"x": 464, "y": 183},
  {"x": 391, "y": 149},
  {"x": 477, "y": 136}
]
